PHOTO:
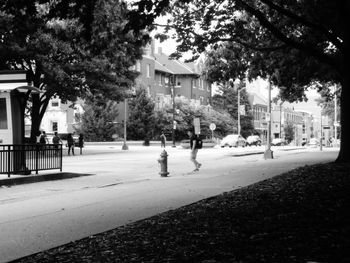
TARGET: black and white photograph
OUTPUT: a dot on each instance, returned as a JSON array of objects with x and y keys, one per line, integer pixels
[{"x": 174, "y": 131}]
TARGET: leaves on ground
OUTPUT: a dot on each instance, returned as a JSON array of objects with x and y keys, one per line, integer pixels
[{"x": 299, "y": 216}]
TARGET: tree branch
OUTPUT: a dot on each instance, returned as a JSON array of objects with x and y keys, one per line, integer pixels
[
  {"x": 250, "y": 46},
  {"x": 282, "y": 37},
  {"x": 332, "y": 37}
]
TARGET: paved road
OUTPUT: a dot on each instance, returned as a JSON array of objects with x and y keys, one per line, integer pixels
[{"x": 125, "y": 187}]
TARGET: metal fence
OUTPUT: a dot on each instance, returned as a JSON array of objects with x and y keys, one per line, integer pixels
[{"x": 25, "y": 158}]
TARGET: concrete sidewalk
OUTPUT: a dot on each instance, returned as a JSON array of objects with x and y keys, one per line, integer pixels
[
  {"x": 126, "y": 187},
  {"x": 53, "y": 175}
]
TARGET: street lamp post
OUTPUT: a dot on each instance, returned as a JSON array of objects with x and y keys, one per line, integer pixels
[
  {"x": 125, "y": 146},
  {"x": 268, "y": 154},
  {"x": 174, "y": 122},
  {"x": 238, "y": 111},
  {"x": 281, "y": 120},
  {"x": 238, "y": 106},
  {"x": 321, "y": 137}
]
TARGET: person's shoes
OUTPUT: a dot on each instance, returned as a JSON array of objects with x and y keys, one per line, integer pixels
[
  {"x": 199, "y": 166},
  {"x": 196, "y": 170}
]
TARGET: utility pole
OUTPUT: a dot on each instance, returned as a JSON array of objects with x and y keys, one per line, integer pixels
[
  {"x": 239, "y": 107},
  {"x": 268, "y": 154},
  {"x": 125, "y": 146},
  {"x": 174, "y": 123},
  {"x": 321, "y": 137},
  {"x": 238, "y": 112}
]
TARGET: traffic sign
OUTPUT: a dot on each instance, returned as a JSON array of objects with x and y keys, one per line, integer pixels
[
  {"x": 268, "y": 116},
  {"x": 212, "y": 126}
]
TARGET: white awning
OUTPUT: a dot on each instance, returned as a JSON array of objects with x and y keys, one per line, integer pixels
[{"x": 20, "y": 86}]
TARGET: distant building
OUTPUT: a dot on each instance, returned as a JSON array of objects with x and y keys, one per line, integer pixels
[
  {"x": 164, "y": 78},
  {"x": 259, "y": 109},
  {"x": 159, "y": 75},
  {"x": 60, "y": 117}
]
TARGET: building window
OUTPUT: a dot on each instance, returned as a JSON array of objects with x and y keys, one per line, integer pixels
[
  {"x": 149, "y": 91},
  {"x": 3, "y": 114},
  {"x": 194, "y": 83},
  {"x": 54, "y": 126},
  {"x": 166, "y": 81},
  {"x": 148, "y": 70},
  {"x": 55, "y": 103}
]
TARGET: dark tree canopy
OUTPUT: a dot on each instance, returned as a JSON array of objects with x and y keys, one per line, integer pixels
[
  {"x": 297, "y": 44},
  {"x": 142, "y": 117},
  {"x": 71, "y": 48}
]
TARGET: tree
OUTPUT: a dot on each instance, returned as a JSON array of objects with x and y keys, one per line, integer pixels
[
  {"x": 71, "y": 48},
  {"x": 141, "y": 117},
  {"x": 98, "y": 119},
  {"x": 227, "y": 101},
  {"x": 289, "y": 132},
  {"x": 296, "y": 44},
  {"x": 186, "y": 111},
  {"x": 326, "y": 101}
]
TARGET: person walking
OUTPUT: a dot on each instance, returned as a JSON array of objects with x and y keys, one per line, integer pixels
[
  {"x": 162, "y": 140},
  {"x": 43, "y": 141},
  {"x": 194, "y": 150},
  {"x": 70, "y": 143},
  {"x": 81, "y": 143},
  {"x": 56, "y": 140},
  {"x": 43, "y": 138}
]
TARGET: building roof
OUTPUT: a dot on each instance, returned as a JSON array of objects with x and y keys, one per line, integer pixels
[
  {"x": 159, "y": 67},
  {"x": 172, "y": 66},
  {"x": 257, "y": 99}
]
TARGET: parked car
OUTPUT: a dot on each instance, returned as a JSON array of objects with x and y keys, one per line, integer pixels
[
  {"x": 314, "y": 142},
  {"x": 233, "y": 140},
  {"x": 278, "y": 142},
  {"x": 253, "y": 140}
]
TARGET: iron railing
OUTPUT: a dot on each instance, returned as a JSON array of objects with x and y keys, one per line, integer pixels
[{"x": 25, "y": 158}]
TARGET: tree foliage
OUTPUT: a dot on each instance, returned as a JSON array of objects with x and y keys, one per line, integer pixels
[
  {"x": 227, "y": 101},
  {"x": 289, "y": 132},
  {"x": 185, "y": 112},
  {"x": 71, "y": 48},
  {"x": 98, "y": 119},
  {"x": 142, "y": 119},
  {"x": 297, "y": 44},
  {"x": 326, "y": 102}
]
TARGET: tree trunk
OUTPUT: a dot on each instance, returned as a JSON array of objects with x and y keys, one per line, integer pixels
[
  {"x": 35, "y": 117},
  {"x": 344, "y": 153}
]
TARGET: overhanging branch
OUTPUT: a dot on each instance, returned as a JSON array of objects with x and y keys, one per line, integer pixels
[
  {"x": 332, "y": 37},
  {"x": 282, "y": 37}
]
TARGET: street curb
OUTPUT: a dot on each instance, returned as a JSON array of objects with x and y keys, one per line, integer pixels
[
  {"x": 246, "y": 154},
  {"x": 261, "y": 152},
  {"x": 38, "y": 178}
]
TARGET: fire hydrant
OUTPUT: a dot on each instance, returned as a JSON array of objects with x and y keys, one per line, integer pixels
[{"x": 163, "y": 162}]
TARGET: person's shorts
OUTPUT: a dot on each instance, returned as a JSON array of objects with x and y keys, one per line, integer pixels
[{"x": 194, "y": 154}]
